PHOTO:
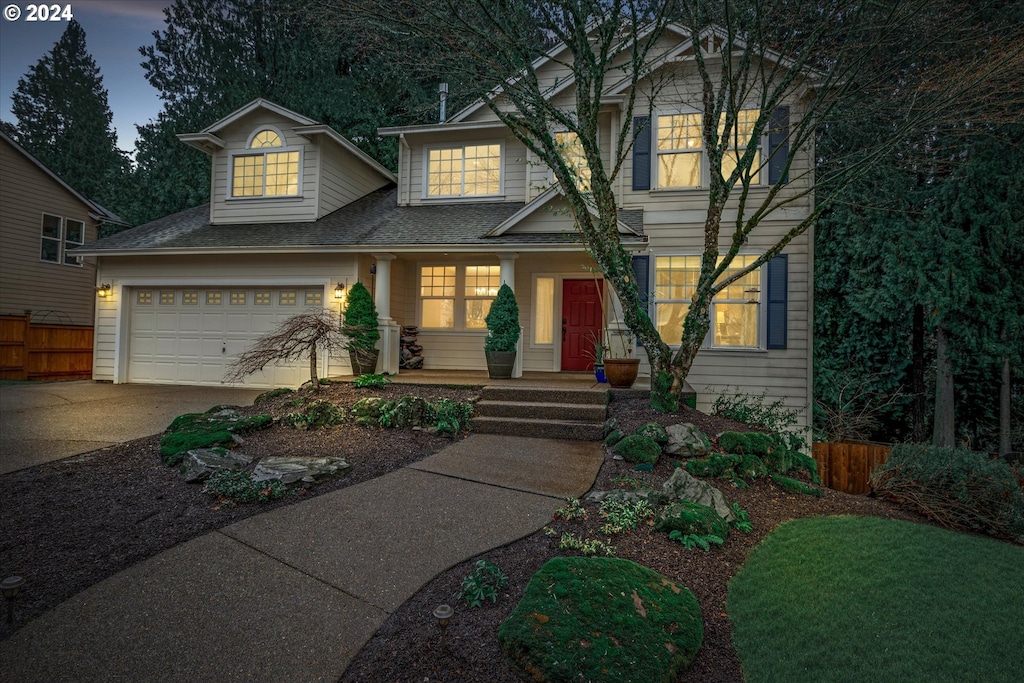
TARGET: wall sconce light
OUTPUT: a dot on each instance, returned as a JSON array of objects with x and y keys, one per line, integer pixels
[
  {"x": 103, "y": 291},
  {"x": 11, "y": 586},
  {"x": 339, "y": 291}
]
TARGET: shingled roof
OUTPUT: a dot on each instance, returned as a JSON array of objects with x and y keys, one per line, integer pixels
[{"x": 375, "y": 221}]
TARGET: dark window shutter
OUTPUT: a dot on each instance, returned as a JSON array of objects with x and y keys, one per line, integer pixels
[
  {"x": 641, "y": 153},
  {"x": 778, "y": 145},
  {"x": 777, "y": 300},
  {"x": 642, "y": 272}
]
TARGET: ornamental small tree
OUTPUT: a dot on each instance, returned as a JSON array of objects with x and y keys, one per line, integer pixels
[
  {"x": 360, "y": 322},
  {"x": 503, "y": 322},
  {"x": 298, "y": 336}
]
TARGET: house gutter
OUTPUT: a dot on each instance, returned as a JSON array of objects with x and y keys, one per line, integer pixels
[{"x": 542, "y": 247}]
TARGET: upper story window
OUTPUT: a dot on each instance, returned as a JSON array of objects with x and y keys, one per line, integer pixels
[
  {"x": 59, "y": 234},
  {"x": 682, "y": 161},
  {"x": 735, "y": 311},
  {"x": 575, "y": 158},
  {"x": 269, "y": 169},
  {"x": 464, "y": 171}
]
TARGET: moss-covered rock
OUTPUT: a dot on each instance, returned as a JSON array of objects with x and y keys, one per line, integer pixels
[
  {"x": 715, "y": 465},
  {"x": 752, "y": 466},
  {"x": 638, "y": 448},
  {"x": 613, "y": 437},
  {"x": 687, "y": 517},
  {"x": 790, "y": 485},
  {"x": 367, "y": 411},
  {"x": 747, "y": 443},
  {"x": 654, "y": 431},
  {"x": 314, "y": 415},
  {"x": 206, "y": 430},
  {"x": 602, "y": 619}
]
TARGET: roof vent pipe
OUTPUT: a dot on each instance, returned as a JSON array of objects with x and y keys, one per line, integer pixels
[{"x": 442, "y": 90}]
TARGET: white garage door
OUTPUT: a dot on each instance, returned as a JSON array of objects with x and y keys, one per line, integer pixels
[{"x": 190, "y": 336}]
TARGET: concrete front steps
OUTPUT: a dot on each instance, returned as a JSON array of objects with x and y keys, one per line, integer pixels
[{"x": 544, "y": 413}]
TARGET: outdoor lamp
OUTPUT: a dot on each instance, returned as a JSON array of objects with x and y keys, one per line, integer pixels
[
  {"x": 443, "y": 613},
  {"x": 339, "y": 291},
  {"x": 103, "y": 291},
  {"x": 11, "y": 586}
]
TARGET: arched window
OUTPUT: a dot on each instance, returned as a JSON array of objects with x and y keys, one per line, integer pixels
[{"x": 266, "y": 173}]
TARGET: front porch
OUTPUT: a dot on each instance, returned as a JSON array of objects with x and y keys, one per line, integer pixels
[{"x": 583, "y": 381}]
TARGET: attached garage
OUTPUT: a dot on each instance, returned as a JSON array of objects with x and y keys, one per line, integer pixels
[{"x": 191, "y": 335}]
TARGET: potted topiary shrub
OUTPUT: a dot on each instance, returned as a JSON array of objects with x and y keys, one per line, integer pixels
[
  {"x": 360, "y": 328},
  {"x": 502, "y": 334}
]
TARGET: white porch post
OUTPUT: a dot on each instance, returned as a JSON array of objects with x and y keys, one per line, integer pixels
[
  {"x": 508, "y": 277},
  {"x": 389, "y": 330},
  {"x": 620, "y": 338}
]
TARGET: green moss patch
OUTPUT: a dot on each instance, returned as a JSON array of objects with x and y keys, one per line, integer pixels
[
  {"x": 638, "y": 448},
  {"x": 205, "y": 430},
  {"x": 688, "y": 517},
  {"x": 602, "y": 619},
  {"x": 654, "y": 431},
  {"x": 747, "y": 443}
]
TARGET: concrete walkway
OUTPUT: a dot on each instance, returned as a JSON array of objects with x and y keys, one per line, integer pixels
[
  {"x": 45, "y": 421},
  {"x": 293, "y": 594}
]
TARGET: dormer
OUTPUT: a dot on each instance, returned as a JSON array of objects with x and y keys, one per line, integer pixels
[{"x": 272, "y": 165}]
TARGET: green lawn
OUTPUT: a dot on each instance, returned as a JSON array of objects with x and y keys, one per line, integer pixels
[{"x": 867, "y": 599}]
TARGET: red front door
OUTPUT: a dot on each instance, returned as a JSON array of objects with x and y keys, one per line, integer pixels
[{"x": 581, "y": 322}]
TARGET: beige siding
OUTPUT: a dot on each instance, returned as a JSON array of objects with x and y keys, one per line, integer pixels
[
  {"x": 127, "y": 273},
  {"x": 54, "y": 292},
  {"x": 227, "y": 210},
  {"x": 343, "y": 178}
]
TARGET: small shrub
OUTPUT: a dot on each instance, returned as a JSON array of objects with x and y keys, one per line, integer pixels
[
  {"x": 238, "y": 487},
  {"x": 483, "y": 584},
  {"x": 688, "y": 517},
  {"x": 956, "y": 487},
  {"x": 572, "y": 510},
  {"x": 691, "y": 541},
  {"x": 272, "y": 394},
  {"x": 716, "y": 465},
  {"x": 315, "y": 415},
  {"x": 407, "y": 411},
  {"x": 451, "y": 417},
  {"x": 638, "y": 449},
  {"x": 367, "y": 411},
  {"x": 629, "y": 481},
  {"x": 790, "y": 485},
  {"x": 654, "y": 431},
  {"x": 624, "y": 515},
  {"x": 742, "y": 521},
  {"x": 371, "y": 380},
  {"x": 502, "y": 322},
  {"x": 584, "y": 546}
]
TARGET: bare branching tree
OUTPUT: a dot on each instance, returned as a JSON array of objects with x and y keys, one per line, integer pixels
[
  {"x": 305, "y": 335},
  {"x": 912, "y": 65}
]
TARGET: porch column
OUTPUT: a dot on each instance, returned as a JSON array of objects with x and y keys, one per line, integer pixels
[
  {"x": 389, "y": 332},
  {"x": 508, "y": 277},
  {"x": 620, "y": 339}
]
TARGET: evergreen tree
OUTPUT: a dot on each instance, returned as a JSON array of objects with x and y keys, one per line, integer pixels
[{"x": 64, "y": 119}]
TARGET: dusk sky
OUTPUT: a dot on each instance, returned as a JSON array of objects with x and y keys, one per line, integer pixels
[{"x": 114, "y": 31}]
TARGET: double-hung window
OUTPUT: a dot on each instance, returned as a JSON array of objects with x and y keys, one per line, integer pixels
[
  {"x": 464, "y": 171},
  {"x": 572, "y": 152},
  {"x": 266, "y": 169},
  {"x": 457, "y": 297},
  {"x": 735, "y": 311},
  {"x": 682, "y": 160},
  {"x": 57, "y": 235}
]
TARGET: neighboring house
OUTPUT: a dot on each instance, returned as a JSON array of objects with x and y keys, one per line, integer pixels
[
  {"x": 41, "y": 219},
  {"x": 297, "y": 210}
]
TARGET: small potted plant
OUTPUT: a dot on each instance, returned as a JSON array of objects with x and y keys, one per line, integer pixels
[
  {"x": 621, "y": 371},
  {"x": 597, "y": 356},
  {"x": 360, "y": 328},
  {"x": 502, "y": 334}
]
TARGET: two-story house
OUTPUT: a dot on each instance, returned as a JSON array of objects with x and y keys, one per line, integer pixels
[{"x": 298, "y": 214}]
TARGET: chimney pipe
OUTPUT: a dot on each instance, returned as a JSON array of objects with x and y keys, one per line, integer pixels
[{"x": 442, "y": 90}]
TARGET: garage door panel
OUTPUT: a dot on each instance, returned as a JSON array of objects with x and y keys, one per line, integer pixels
[{"x": 194, "y": 343}]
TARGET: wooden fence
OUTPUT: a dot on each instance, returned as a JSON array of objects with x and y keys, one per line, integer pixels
[
  {"x": 846, "y": 466},
  {"x": 44, "y": 352}
]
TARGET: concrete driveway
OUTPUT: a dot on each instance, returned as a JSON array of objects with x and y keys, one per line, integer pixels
[{"x": 41, "y": 422}]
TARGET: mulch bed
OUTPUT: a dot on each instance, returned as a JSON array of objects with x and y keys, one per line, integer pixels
[{"x": 72, "y": 523}]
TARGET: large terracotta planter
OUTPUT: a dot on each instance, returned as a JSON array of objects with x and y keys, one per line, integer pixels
[
  {"x": 500, "y": 364},
  {"x": 363, "y": 362},
  {"x": 621, "y": 372}
]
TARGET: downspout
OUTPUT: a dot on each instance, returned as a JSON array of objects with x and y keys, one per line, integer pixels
[{"x": 404, "y": 169}]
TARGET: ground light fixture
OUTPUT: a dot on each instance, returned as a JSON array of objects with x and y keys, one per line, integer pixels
[
  {"x": 443, "y": 614},
  {"x": 11, "y": 586}
]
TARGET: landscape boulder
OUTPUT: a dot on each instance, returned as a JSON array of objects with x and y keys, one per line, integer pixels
[
  {"x": 687, "y": 440},
  {"x": 200, "y": 463},
  {"x": 639, "y": 449},
  {"x": 291, "y": 469},
  {"x": 684, "y": 486}
]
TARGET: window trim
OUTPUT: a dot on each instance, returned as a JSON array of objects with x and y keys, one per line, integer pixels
[
  {"x": 427, "y": 149},
  {"x": 708, "y": 342},
  {"x": 459, "y": 298},
  {"x": 59, "y": 239},
  {"x": 705, "y": 172},
  {"x": 249, "y": 151}
]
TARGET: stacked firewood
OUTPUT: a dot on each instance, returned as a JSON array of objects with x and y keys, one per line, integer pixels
[{"x": 409, "y": 356}]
